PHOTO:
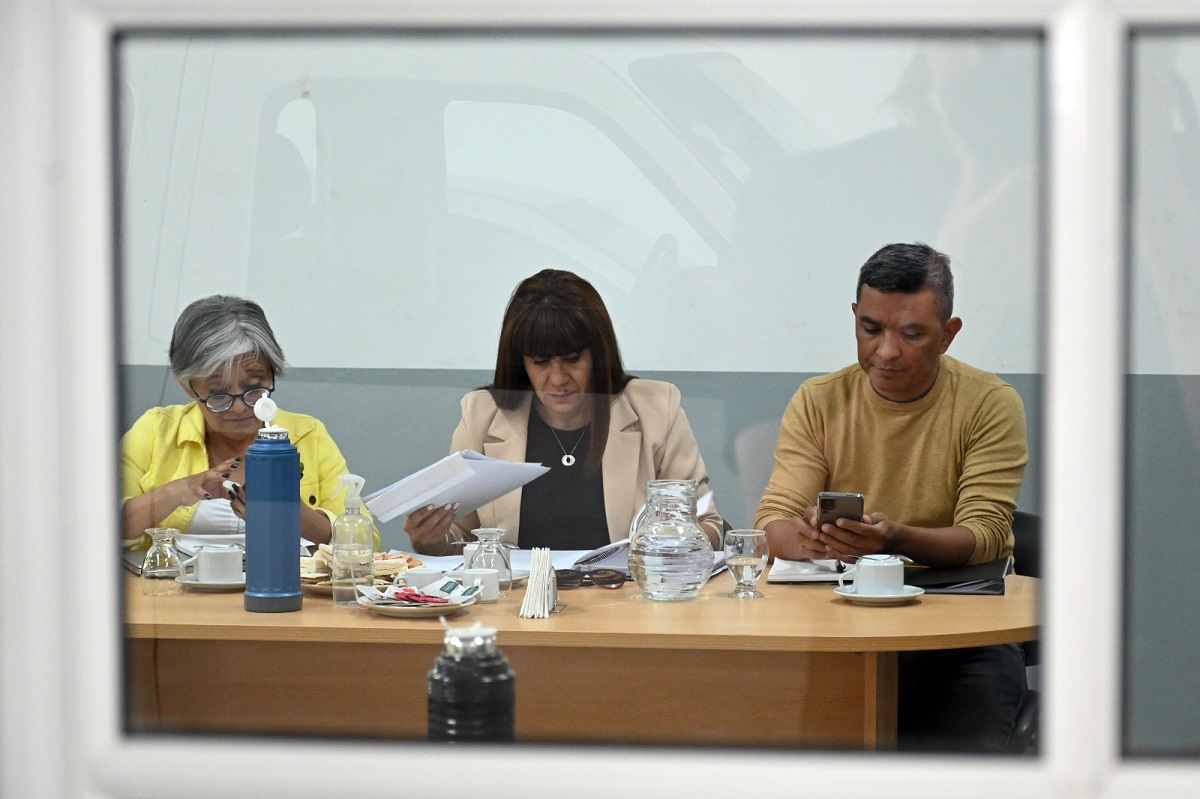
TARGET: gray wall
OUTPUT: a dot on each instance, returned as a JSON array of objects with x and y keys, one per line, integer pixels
[
  {"x": 1162, "y": 704},
  {"x": 390, "y": 422}
]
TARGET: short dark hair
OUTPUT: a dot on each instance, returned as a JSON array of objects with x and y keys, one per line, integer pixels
[
  {"x": 909, "y": 268},
  {"x": 556, "y": 313},
  {"x": 212, "y": 333}
]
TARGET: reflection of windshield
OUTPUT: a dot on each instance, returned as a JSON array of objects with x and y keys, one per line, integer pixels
[{"x": 730, "y": 117}]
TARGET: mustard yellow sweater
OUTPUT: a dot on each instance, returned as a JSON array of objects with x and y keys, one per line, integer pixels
[{"x": 954, "y": 457}]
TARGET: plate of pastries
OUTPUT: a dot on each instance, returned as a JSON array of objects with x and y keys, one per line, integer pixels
[{"x": 316, "y": 573}]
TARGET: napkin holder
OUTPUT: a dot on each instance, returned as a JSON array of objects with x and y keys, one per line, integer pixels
[{"x": 541, "y": 589}]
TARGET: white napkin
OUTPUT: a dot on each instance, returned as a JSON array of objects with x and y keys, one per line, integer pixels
[{"x": 541, "y": 591}]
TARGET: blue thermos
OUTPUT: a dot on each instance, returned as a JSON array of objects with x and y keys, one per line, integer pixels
[{"x": 272, "y": 522}]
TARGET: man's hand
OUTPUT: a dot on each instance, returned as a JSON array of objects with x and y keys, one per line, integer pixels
[
  {"x": 849, "y": 540},
  {"x": 796, "y": 539}
]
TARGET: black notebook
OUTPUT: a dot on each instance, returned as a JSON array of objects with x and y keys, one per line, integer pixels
[{"x": 982, "y": 578}]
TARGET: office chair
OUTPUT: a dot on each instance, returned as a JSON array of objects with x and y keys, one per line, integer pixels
[{"x": 1027, "y": 551}]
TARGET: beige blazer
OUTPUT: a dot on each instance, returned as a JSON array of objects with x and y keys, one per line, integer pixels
[{"x": 648, "y": 438}]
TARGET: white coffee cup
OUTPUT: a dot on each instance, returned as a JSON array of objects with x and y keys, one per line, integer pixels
[
  {"x": 422, "y": 576},
  {"x": 214, "y": 564},
  {"x": 488, "y": 581},
  {"x": 876, "y": 575}
]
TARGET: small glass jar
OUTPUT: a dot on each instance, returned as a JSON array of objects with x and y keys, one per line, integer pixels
[
  {"x": 161, "y": 566},
  {"x": 491, "y": 553}
]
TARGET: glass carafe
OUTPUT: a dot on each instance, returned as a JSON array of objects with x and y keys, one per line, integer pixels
[
  {"x": 670, "y": 557},
  {"x": 161, "y": 566},
  {"x": 491, "y": 553}
]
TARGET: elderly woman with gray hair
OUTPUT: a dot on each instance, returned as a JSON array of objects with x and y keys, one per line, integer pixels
[{"x": 176, "y": 460}]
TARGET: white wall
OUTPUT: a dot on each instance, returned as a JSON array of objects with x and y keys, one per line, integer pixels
[{"x": 381, "y": 196}]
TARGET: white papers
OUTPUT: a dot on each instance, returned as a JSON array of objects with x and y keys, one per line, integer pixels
[
  {"x": 804, "y": 571},
  {"x": 443, "y": 562},
  {"x": 186, "y": 543},
  {"x": 616, "y": 556},
  {"x": 466, "y": 477}
]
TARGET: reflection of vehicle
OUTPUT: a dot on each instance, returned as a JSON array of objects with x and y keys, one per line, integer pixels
[{"x": 420, "y": 177}]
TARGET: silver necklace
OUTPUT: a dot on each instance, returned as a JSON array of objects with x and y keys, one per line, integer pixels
[{"x": 568, "y": 458}]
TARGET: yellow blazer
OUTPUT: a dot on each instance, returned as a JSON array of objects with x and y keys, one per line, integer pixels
[
  {"x": 167, "y": 443},
  {"x": 648, "y": 438}
]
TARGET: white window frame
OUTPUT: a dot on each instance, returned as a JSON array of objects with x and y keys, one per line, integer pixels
[{"x": 61, "y": 723}]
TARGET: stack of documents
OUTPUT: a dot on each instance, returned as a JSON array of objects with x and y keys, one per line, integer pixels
[
  {"x": 982, "y": 578},
  {"x": 466, "y": 477}
]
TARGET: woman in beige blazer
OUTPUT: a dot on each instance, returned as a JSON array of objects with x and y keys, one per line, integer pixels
[{"x": 561, "y": 397}]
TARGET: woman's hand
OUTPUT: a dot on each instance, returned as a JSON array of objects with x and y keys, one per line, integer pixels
[
  {"x": 211, "y": 484},
  {"x": 429, "y": 528},
  {"x": 152, "y": 507},
  {"x": 314, "y": 525}
]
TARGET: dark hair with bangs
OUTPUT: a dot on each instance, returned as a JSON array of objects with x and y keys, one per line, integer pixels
[{"x": 556, "y": 313}]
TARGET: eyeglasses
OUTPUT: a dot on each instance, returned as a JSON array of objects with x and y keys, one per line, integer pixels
[
  {"x": 566, "y": 579},
  {"x": 219, "y": 403}
]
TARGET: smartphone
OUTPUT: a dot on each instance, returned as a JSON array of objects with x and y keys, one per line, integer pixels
[{"x": 834, "y": 505}]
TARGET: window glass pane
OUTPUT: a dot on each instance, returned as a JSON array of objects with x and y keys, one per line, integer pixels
[
  {"x": 381, "y": 196},
  {"x": 1162, "y": 691}
]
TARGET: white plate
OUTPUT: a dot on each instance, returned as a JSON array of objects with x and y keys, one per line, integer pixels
[
  {"x": 909, "y": 593},
  {"x": 420, "y": 611},
  {"x": 327, "y": 590},
  {"x": 190, "y": 582}
]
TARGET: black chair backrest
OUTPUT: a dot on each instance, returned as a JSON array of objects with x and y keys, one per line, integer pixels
[
  {"x": 1027, "y": 546},
  {"x": 1027, "y": 551}
]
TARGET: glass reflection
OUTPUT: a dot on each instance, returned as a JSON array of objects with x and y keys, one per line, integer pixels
[
  {"x": 381, "y": 196},
  {"x": 1161, "y": 695}
]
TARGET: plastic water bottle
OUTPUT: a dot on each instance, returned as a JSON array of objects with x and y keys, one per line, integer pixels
[
  {"x": 472, "y": 689},
  {"x": 670, "y": 557},
  {"x": 352, "y": 540},
  {"x": 272, "y": 518}
]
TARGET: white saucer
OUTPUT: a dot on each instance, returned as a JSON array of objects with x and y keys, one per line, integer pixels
[
  {"x": 190, "y": 582},
  {"x": 418, "y": 611},
  {"x": 908, "y": 594}
]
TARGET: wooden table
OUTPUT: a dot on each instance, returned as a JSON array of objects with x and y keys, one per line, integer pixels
[{"x": 800, "y": 667}]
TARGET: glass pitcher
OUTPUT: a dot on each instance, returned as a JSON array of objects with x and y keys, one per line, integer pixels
[
  {"x": 670, "y": 557},
  {"x": 161, "y": 566},
  {"x": 491, "y": 553}
]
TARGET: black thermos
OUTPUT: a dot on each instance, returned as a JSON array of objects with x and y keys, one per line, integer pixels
[{"x": 472, "y": 689}]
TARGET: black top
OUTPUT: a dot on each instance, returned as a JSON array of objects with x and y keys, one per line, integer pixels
[{"x": 564, "y": 508}]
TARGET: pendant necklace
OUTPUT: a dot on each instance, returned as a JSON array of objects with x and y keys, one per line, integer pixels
[{"x": 568, "y": 458}]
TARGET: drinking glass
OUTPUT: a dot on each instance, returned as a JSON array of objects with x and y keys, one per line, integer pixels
[
  {"x": 161, "y": 566},
  {"x": 746, "y": 557},
  {"x": 492, "y": 553}
]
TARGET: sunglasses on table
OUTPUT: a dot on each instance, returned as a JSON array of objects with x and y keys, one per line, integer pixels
[{"x": 566, "y": 579}]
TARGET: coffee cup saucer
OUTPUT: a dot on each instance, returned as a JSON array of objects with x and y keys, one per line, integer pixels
[
  {"x": 190, "y": 581},
  {"x": 907, "y": 594}
]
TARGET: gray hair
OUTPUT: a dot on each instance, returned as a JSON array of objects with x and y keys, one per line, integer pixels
[
  {"x": 213, "y": 333},
  {"x": 907, "y": 269}
]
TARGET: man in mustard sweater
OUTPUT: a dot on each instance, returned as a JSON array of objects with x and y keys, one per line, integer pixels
[{"x": 938, "y": 450}]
